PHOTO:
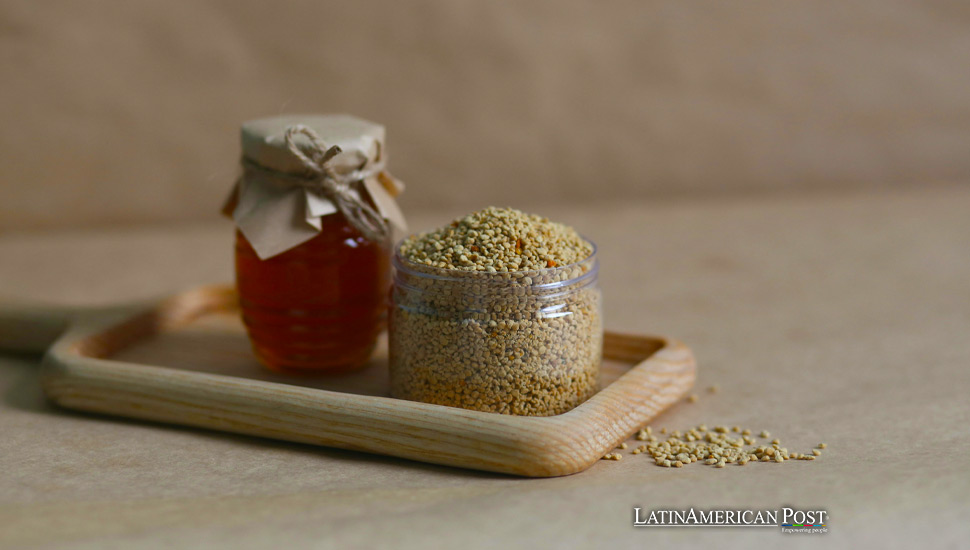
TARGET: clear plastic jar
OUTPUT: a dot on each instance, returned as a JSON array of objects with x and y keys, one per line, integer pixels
[{"x": 523, "y": 343}]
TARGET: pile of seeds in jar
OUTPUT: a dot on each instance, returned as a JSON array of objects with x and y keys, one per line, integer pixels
[
  {"x": 497, "y": 312},
  {"x": 498, "y": 240}
]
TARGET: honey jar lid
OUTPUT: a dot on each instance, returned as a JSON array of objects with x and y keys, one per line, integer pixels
[
  {"x": 361, "y": 141},
  {"x": 299, "y": 168}
]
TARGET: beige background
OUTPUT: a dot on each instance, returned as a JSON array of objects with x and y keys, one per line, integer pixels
[{"x": 118, "y": 111}]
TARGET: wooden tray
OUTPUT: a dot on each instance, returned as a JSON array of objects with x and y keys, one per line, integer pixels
[{"x": 187, "y": 361}]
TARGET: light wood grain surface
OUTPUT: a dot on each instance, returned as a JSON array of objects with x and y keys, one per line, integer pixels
[{"x": 91, "y": 369}]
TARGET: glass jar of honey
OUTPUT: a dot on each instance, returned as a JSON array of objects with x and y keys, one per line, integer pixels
[{"x": 315, "y": 214}]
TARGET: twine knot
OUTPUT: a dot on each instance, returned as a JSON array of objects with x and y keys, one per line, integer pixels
[{"x": 321, "y": 177}]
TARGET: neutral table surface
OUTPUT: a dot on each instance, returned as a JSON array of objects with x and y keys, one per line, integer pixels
[{"x": 836, "y": 317}]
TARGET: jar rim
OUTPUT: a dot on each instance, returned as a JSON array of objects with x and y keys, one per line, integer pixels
[{"x": 404, "y": 265}]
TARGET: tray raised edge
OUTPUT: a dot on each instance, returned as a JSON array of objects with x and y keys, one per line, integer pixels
[{"x": 77, "y": 375}]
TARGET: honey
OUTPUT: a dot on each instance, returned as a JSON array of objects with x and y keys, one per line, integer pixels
[{"x": 318, "y": 306}]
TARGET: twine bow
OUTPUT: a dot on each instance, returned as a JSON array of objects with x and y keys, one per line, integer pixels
[{"x": 322, "y": 178}]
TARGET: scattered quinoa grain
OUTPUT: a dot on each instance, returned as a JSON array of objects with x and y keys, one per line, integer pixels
[
  {"x": 716, "y": 447},
  {"x": 692, "y": 398}
]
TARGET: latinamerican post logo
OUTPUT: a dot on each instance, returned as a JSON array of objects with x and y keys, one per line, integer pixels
[{"x": 789, "y": 520}]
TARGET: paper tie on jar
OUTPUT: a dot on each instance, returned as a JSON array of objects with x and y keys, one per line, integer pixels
[{"x": 298, "y": 169}]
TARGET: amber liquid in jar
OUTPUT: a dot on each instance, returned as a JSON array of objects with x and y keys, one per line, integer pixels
[{"x": 318, "y": 307}]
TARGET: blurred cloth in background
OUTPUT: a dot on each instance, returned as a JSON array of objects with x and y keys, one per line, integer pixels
[{"x": 121, "y": 112}]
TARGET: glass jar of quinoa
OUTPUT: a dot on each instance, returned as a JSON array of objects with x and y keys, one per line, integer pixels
[{"x": 500, "y": 312}]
